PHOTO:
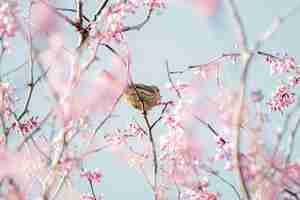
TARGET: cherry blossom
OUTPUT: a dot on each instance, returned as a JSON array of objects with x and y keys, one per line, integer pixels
[
  {"x": 93, "y": 176},
  {"x": 76, "y": 60},
  {"x": 181, "y": 86},
  {"x": 4, "y": 96},
  {"x": 87, "y": 197},
  {"x": 198, "y": 195},
  {"x": 281, "y": 98},
  {"x": 294, "y": 80},
  {"x": 8, "y": 19},
  {"x": 153, "y": 4},
  {"x": 281, "y": 64}
]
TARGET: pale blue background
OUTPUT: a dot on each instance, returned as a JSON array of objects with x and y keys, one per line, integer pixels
[{"x": 184, "y": 37}]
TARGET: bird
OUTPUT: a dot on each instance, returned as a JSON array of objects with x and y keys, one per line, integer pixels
[{"x": 141, "y": 96}]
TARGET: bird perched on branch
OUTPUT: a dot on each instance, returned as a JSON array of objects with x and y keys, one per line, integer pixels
[{"x": 142, "y": 97}]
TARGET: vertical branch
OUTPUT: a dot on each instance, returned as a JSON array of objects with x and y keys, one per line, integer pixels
[
  {"x": 151, "y": 139},
  {"x": 171, "y": 80},
  {"x": 79, "y": 15},
  {"x": 246, "y": 57},
  {"x": 154, "y": 153},
  {"x": 31, "y": 82},
  {"x": 291, "y": 144},
  {"x": 238, "y": 25},
  {"x": 5, "y": 131}
]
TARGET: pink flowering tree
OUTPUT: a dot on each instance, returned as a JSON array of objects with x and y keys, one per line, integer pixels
[{"x": 204, "y": 140}]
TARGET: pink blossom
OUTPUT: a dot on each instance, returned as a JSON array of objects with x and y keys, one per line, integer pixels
[
  {"x": 281, "y": 98},
  {"x": 153, "y": 4},
  {"x": 115, "y": 140},
  {"x": 136, "y": 159},
  {"x": 281, "y": 65},
  {"x": 122, "y": 8},
  {"x": 206, "y": 71},
  {"x": 26, "y": 126},
  {"x": 228, "y": 166},
  {"x": 93, "y": 176},
  {"x": 257, "y": 96},
  {"x": 180, "y": 148},
  {"x": 201, "y": 184},
  {"x": 171, "y": 121},
  {"x": 198, "y": 195},
  {"x": 103, "y": 93},
  {"x": 114, "y": 27},
  {"x": 67, "y": 162},
  {"x": 180, "y": 86},
  {"x": 294, "y": 80},
  {"x": 291, "y": 173},
  {"x": 136, "y": 130},
  {"x": 16, "y": 173},
  {"x": 87, "y": 197},
  {"x": 218, "y": 156},
  {"x": 219, "y": 140},
  {"x": 4, "y": 96},
  {"x": 8, "y": 19}
]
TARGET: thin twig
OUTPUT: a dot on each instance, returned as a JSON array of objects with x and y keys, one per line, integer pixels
[
  {"x": 225, "y": 182},
  {"x": 60, "y": 185},
  {"x": 210, "y": 127},
  {"x": 74, "y": 11},
  {"x": 284, "y": 129},
  {"x": 140, "y": 25},
  {"x": 92, "y": 188},
  {"x": 35, "y": 131},
  {"x": 215, "y": 60},
  {"x": 15, "y": 69},
  {"x": 293, "y": 194},
  {"x": 238, "y": 25},
  {"x": 114, "y": 52},
  {"x": 106, "y": 118},
  {"x": 31, "y": 83},
  {"x": 99, "y": 11},
  {"x": 171, "y": 81},
  {"x": 161, "y": 115},
  {"x": 67, "y": 19},
  {"x": 109, "y": 115},
  {"x": 292, "y": 141}
]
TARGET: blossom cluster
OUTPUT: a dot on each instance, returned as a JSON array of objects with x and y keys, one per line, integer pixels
[
  {"x": 281, "y": 64},
  {"x": 5, "y": 100},
  {"x": 8, "y": 19},
  {"x": 93, "y": 176},
  {"x": 26, "y": 126},
  {"x": 172, "y": 159},
  {"x": 112, "y": 23},
  {"x": 283, "y": 96},
  {"x": 224, "y": 152}
]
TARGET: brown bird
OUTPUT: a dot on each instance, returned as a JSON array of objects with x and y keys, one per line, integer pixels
[{"x": 142, "y": 97}]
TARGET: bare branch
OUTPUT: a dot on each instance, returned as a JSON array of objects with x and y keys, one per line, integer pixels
[
  {"x": 292, "y": 141},
  {"x": 79, "y": 14},
  {"x": 238, "y": 25},
  {"x": 73, "y": 11},
  {"x": 140, "y": 25},
  {"x": 99, "y": 11}
]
